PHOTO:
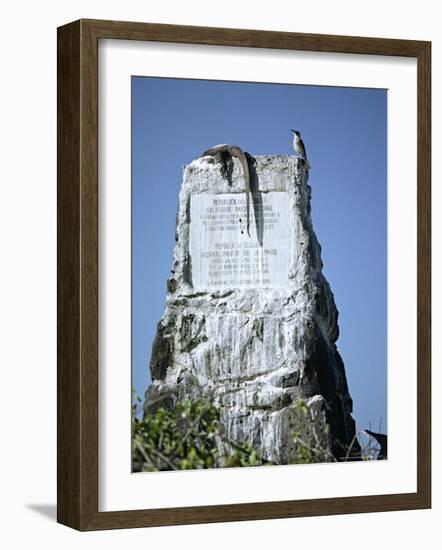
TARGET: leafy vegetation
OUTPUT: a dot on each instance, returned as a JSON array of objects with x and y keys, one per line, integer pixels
[
  {"x": 191, "y": 435},
  {"x": 185, "y": 438}
]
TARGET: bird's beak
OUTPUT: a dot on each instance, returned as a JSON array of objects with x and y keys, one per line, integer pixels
[{"x": 292, "y": 130}]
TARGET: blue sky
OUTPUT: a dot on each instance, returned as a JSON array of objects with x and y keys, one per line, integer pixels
[{"x": 345, "y": 133}]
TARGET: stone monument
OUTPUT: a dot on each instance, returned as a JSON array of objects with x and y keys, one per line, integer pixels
[{"x": 250, "y": 321}]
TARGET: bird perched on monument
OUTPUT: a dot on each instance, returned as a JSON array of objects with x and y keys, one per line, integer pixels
[{"x": 299, "y": 147}]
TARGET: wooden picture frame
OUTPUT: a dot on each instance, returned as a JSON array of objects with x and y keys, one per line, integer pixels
[{"x": 77, "y": 226}]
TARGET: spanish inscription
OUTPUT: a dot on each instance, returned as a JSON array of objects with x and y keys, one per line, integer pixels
[{"x": 224, "y": 255}]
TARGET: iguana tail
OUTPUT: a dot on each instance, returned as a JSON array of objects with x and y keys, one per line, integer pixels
[{"x": 239, "y": 154}]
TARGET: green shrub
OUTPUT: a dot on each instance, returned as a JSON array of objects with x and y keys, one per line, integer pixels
[
  {"x": 184, "y": 439},
  {"x": 189, "y": 437}
]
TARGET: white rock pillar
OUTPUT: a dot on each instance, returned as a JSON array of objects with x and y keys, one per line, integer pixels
[{"x": 250, "y": 320}]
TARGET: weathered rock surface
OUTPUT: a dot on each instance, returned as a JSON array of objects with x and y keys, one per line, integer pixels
[{"x": 250, "y": 321}]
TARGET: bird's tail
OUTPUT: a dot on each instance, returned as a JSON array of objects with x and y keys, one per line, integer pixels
[{"x": 304, "y": 161}]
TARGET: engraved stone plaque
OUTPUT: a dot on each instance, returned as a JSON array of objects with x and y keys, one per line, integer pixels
[{"x": 224, "y": 255}]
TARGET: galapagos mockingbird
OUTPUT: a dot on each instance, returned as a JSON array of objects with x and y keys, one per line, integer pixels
[{"x": 299, "y": 148}]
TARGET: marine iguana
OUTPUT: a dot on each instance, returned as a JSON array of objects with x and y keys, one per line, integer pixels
[{"x": 223, "y": 153}]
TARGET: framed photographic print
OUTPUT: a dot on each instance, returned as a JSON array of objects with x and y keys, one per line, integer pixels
[{"x": 243, "y": 274}]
